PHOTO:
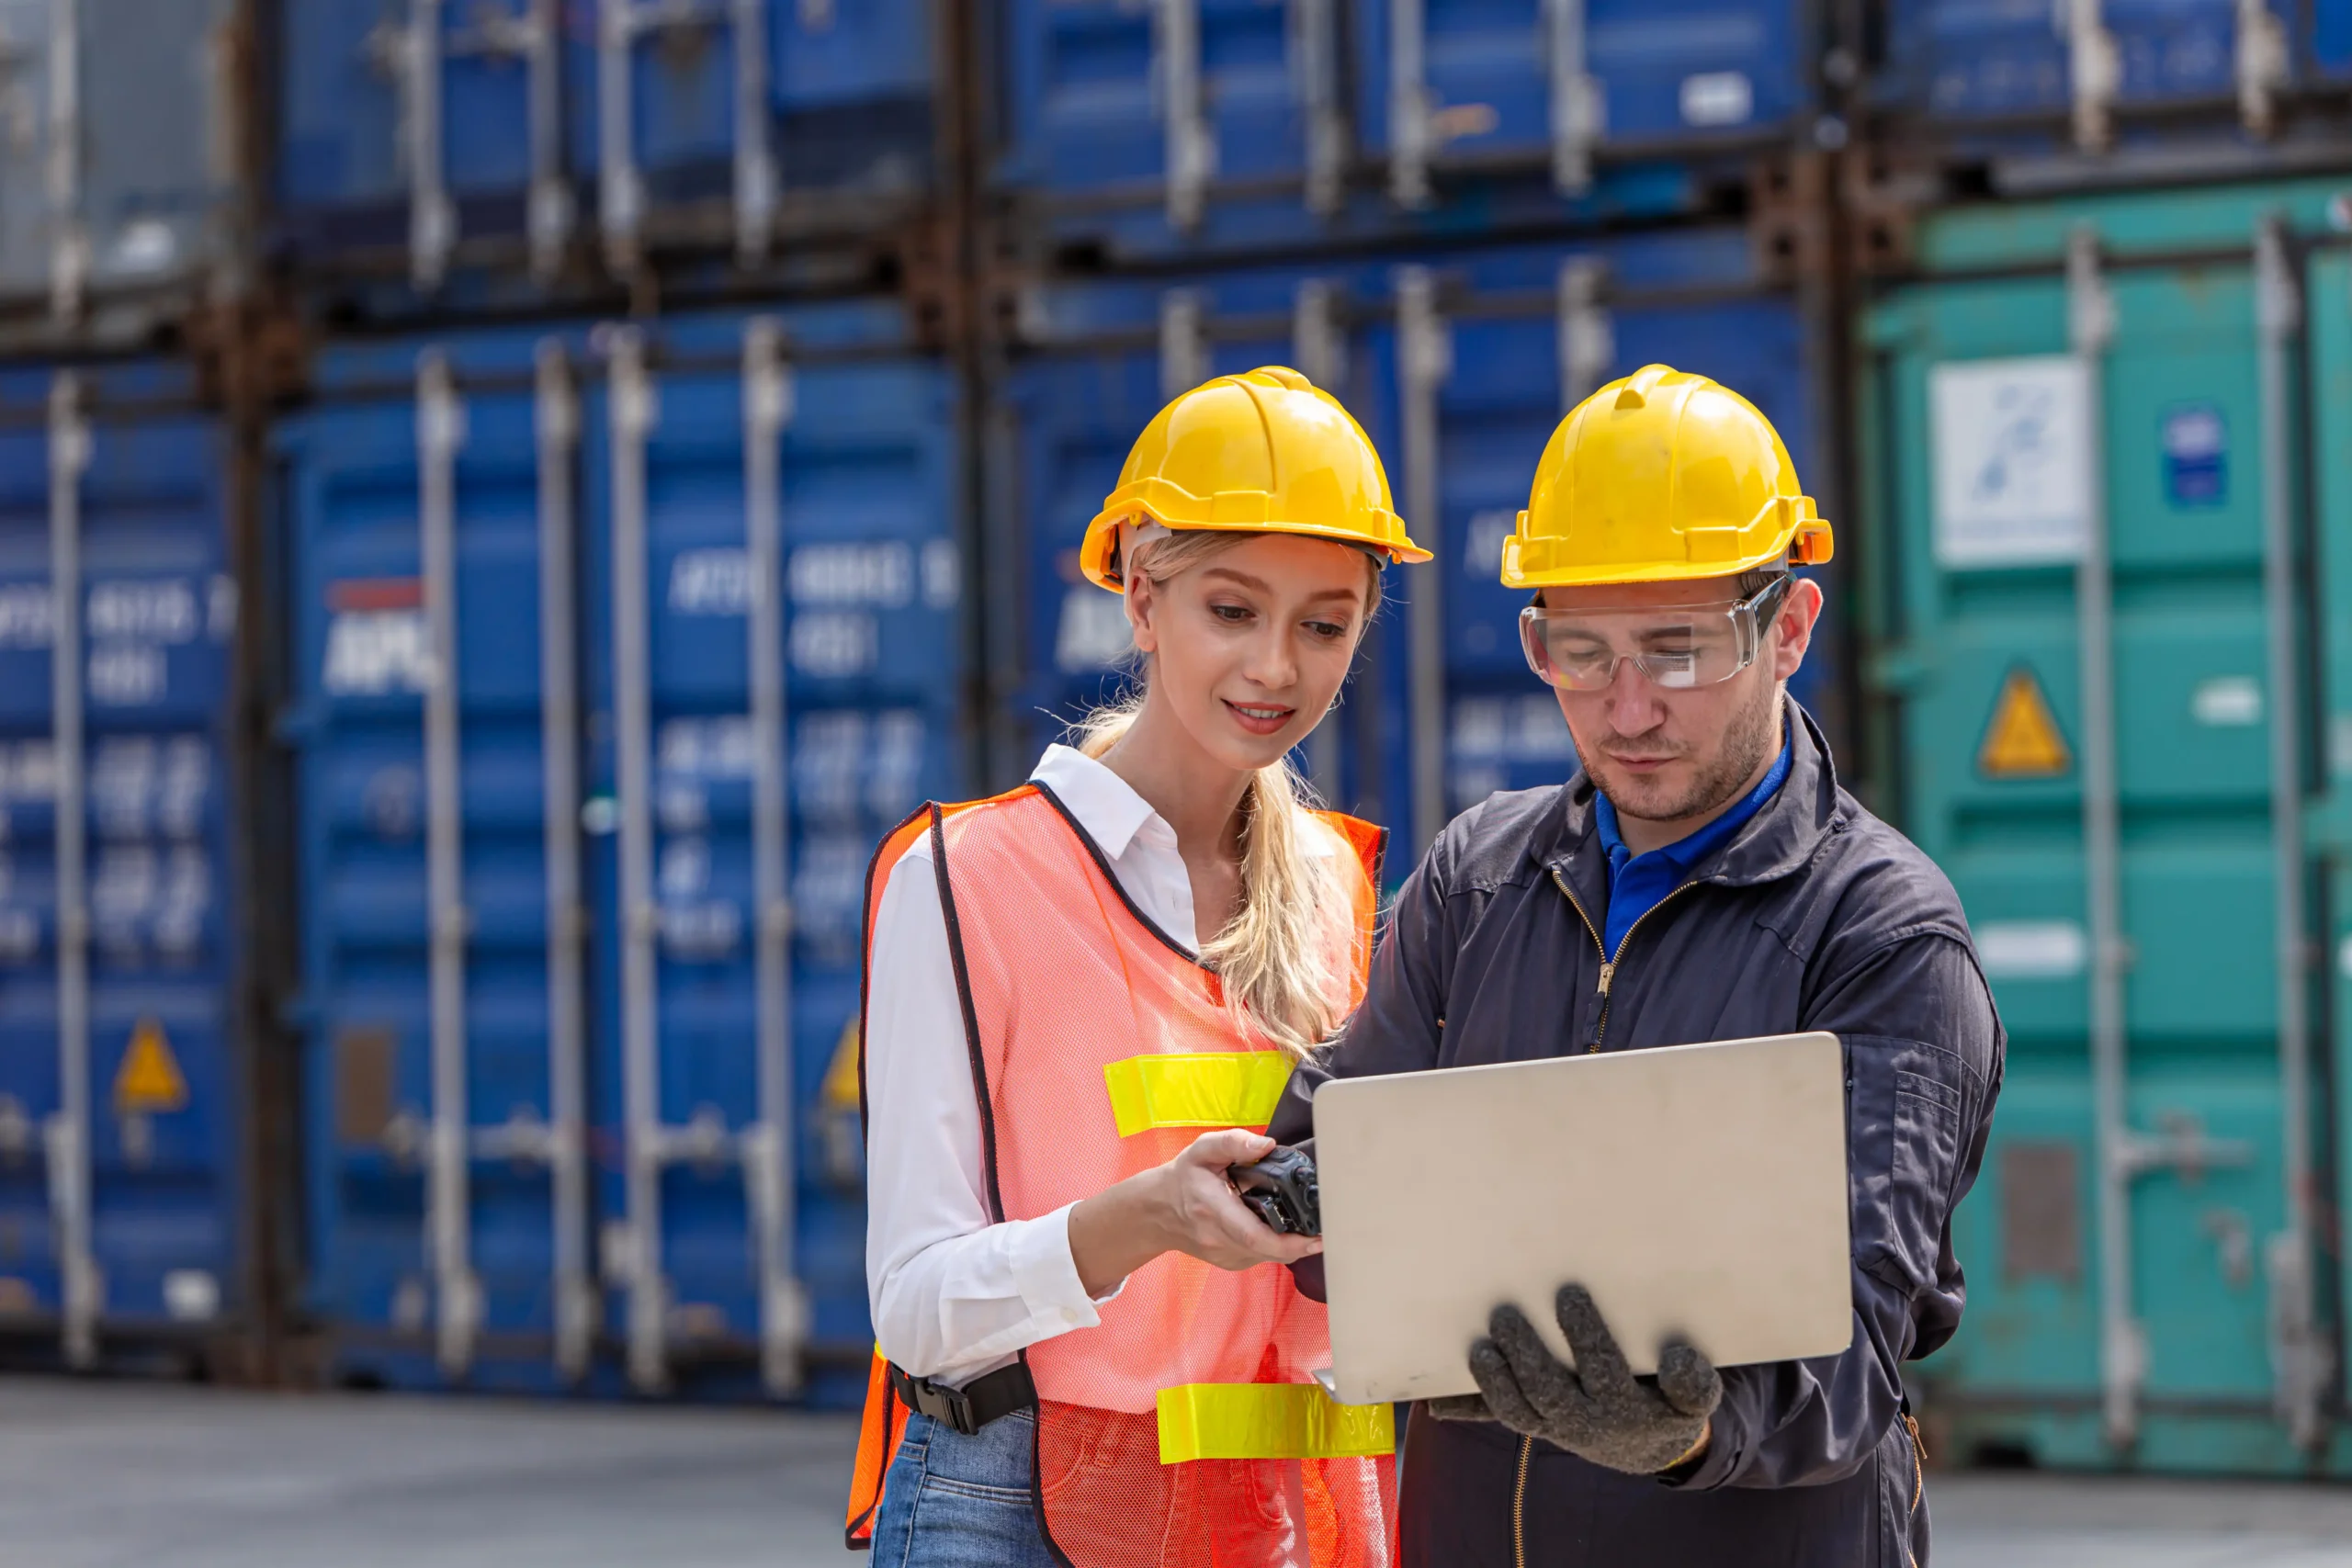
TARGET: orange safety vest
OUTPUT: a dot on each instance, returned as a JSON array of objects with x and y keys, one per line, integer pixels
[{"x": 1184, "y": 1430}]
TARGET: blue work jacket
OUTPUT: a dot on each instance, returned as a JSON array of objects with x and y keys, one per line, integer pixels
[{"x": 1813, "y": 916}]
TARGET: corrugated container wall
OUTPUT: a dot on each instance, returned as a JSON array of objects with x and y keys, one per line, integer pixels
[
  {"x": 117, "y": 175},
  {"x": 2113, "y": 669},
  {"x": 618, "y": 649},
  {"x": 1199, "y": 127},
  {"x": 122, "y": 1044},
  {"x": 1459, "y": 367},
  {"x": 424, "y": 126}
]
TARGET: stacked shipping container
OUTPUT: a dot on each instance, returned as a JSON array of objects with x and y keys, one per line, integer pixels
[{"x": 681, "y": 422}]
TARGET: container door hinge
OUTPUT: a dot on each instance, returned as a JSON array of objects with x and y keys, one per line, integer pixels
[
  {"x": 1588, "y": 334},
  {"x": 2263, "y": 65},
  {"x": 1424, "y": 363},
  {"x": 1184, "y": 341},
  {"x": 1412, "y": 123},
  {"x": 68, "y": 1132},
  {"x": 69, "y": 270}
]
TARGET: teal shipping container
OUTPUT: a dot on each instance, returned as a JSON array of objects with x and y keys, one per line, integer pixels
[{"x": 2107, "y": 451}]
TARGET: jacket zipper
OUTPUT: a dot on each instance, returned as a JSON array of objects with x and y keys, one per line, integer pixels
[
  {"x": 1609, "y": 965},
  {"x": 1599, "y": 1028}
]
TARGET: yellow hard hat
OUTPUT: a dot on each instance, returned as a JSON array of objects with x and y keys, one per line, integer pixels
[
  {"x": 1264, "y": 452},
  {"x": 1657, "y": 478}
]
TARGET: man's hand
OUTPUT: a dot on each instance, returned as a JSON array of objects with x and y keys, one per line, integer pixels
[{"x": 1597, "y": 1409}]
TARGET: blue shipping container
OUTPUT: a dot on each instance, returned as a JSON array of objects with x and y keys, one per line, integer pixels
[
  {"x": 121, "y": 1082},
  {"x": 1220, "y": 125},
  {"x": 1988, "y": 69},
  {"x": 426, "y": 123},
  {"x": 1459, "y": 369},
  {"x": 583, "y": 921}
]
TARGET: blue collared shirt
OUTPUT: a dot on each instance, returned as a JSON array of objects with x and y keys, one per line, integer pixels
[{"x": 1636, "y": 882}]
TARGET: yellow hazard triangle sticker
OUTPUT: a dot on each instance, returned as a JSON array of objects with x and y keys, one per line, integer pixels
[
  {"x": 2023, "y": 741},
  {"x": 149, "y": 1079},
  {"x": 840, "y": 1077}
]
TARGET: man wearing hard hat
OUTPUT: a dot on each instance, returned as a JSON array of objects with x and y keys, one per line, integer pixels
[{"x": 1701, "y": 877}]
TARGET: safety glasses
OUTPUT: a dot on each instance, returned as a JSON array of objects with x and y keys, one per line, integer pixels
[{"x": 1674, "y": 646}]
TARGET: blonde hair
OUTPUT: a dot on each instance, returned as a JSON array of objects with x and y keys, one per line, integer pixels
[{"x": 1281, "y": 957}]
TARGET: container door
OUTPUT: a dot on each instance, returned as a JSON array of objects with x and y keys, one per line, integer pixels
[
  {"x": 1549, "y": 81},
  {"x": 2095, "y": 690},
  {"x": 1964, "y": 60},
  {"x": 431, "y": 542},
  {"x": 419, "y": 122},
  {"x": 774, "y": 604},
  {"x": 119, "y": 1095},
  {"x": 728, "y": 105},
  {"x": 157, "y": 162},
  {"x": 1177, "y": 94}
]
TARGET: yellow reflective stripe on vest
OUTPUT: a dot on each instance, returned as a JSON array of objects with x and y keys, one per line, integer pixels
[
  {"x": 1269, "y": 1420},
  {"x": 1196, "y": 1088}
]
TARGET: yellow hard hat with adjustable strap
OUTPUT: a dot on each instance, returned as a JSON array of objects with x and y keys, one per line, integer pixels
[
  {"x": 1264, "y": 452},
  {"x": 1657, "y": 478}
]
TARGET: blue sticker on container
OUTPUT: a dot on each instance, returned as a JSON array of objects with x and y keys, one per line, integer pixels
[{"x": 2196, "y": 456}]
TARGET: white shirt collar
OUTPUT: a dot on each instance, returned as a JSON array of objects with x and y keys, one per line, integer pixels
[
  {"x": 1105, "y": 805},
  {"x": 1113, "y": 814}
]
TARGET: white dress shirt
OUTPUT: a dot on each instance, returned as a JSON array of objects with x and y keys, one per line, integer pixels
[{"x": 954, "y": 1296}]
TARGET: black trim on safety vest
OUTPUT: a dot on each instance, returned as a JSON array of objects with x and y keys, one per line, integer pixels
[{"x": 1103, "y": 864}]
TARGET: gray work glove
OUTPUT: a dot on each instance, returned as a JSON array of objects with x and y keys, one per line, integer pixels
[{"x": 1597, "y": 1409}]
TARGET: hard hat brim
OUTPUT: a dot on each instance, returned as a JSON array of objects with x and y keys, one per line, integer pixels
[
  {"x": 1156, "y": 501},
  {"x": 1798, "y": 537}
]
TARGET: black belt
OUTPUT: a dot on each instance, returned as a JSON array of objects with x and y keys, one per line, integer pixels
[{"x": 973, "y": 1406}]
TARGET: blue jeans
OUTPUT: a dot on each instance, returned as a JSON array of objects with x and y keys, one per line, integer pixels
[{"x": 955, "y": 1502}]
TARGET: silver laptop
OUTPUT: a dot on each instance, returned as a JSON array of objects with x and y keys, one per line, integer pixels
[{"x": 1698, "y": 1191}]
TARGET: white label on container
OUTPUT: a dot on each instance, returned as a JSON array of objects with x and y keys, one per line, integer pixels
[
  {"x": 126, "y": 674},
  {"x": 1717, "y": 97},
  {"x": 157, "y": 610},
  {"x": 879, "y": 574},
  {"x": 2227, "y": 701},
  {"x": 2344, "y": 958},
  {"x": 2339, "y": 744},
  {"x": 1094, "y": 633},
  {"x": 1483, "y": 551},
  {"x": 2033, "y": 950},
  {"x": 710, "y": 582},
  {"x": 2013, "y": 449},
  {"x": 831, "y": 643},
  {"x": 371, "y": 653},
  {"x": 27, "y": 616},
  {"x": 943, "y": 575},
  {"x": 191, "y": 1295}
]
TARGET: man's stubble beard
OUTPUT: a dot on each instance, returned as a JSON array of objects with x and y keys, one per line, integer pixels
[{"x": 1747, "y": 740}]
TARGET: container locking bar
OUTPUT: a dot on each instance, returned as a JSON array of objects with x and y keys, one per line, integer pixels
[
  {"x": 2096, "y": 74},
  {"x": 1424, "y": 363},
  {"x": 769, "y": 1159},
  {"x": 1588, "y": 334},
  {"x": 2264, "y": 65},
  {"x": 2090, "y": 309},
  {"x": 621, "y": 186},
  {"x": 557, "y": 403},
  {"x": 2302, "y": 1364},
  {"x": 1191, "y": 146},
  {"x": 67, "y": 1134},
  {"x": 1320, "y": 350},
  {"x": 440, "y": 434},
  {"x": 69, "y": 265},
  {"x": 632, "y": 412},
  {"x": 1412, "y": 126},
  {"x": 1575, "y": 97},
  {"x": 1184, "y": 341},
  {"x": 1316, "y": 45}
]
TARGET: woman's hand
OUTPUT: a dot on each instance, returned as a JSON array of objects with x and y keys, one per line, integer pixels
[{"x": 1187, "y": 1206}]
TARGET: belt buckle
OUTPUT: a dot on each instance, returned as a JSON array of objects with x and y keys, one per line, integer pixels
[{"x": 952, "y": 1405}]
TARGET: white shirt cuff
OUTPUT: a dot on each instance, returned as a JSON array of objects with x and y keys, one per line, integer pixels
[{"x": 1046, "y": 1274}]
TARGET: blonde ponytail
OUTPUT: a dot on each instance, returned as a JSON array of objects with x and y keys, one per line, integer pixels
[{"x": 1282, "y": 958}]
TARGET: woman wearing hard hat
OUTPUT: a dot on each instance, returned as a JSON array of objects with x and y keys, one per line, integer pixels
[{"x": 1082, "y": 999}]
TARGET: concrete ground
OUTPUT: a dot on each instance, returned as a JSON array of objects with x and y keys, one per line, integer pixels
[{"x": 118, "y": 1475}]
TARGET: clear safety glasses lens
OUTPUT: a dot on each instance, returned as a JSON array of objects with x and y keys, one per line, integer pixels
[{"x": 1675, "y": 646}]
